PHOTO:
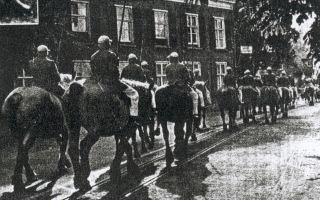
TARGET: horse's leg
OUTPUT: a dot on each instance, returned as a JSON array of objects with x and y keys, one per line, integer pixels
[
  {"x": 194, "y": 128},
  {"x": 22, "y": 158},
  {"x": 132, "y": 167},
  {"x": 115, "y": 171},
  {"x": 265, "y": 113},
  {"x": 189, "y": 128},
  {"x": 204, "y": 113},
  {"x": 151, "y": 133},
  {"x": 169, "y": 155},
  {"x": 64, "y": 162},
  {"x": 179, "y": 140},
  {"x": 74, "y": 153},
  {"x": 142, "y": 135},
  {"x": 223, "y": 117},
  {"x": 85, "y": 148},
  {"x": 273, "y": 113},
  {"x": 134, "y": 143},
  {"x": 30, "y": 174}
]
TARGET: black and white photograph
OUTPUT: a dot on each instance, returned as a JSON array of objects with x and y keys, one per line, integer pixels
[
  {"x": 159, "y": 99},
  {"x": 19, "y": 12}
]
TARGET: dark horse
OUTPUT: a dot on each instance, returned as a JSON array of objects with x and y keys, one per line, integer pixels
[
  {"x": 102, "y": 113},
  {"x": 145, "y": 117},
  {"x": 270, "y": 97},
  {"x": 174, "y": 104},
  {"x": 32, "y": 113},
  {"x": 285, "y": 101},
  {"x": 249, "y": 98},
  {"x": 228, "y": 100},
  {"x": 309, "y": 94}
]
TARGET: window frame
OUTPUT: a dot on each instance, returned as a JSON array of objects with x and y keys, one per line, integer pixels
[
  {"x": 129, "y": 21},
  {"x": 189, "y": 63},
  {"x": 165, "y": 24},
  {"x": 82, "y": 62},
  {"x": 190, "y": 27},
  {"x": 77, "y": 16},
  {"x": 219, "y": 74},
  {"x": 162, "y": 72},
  {"x": 217, "y": 35}
]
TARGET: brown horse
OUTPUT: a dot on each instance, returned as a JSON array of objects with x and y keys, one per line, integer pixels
[
  {"x": 285, "y": 101},
  {"x": 32, "y": 113},
  {"x": 103, "y": 114},
  {"x": 270, "y": 97},
  {"x": 228, "y": 100},
  {"x": 249, "y": 98},
  {"x": 174, "y": 104}
]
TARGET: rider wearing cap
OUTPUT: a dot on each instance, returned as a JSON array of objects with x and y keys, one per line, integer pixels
[
  {"x": 270, "y": 78},
  {"x": 45, "y": 72},
  {"x": 178, "y": 75},
  {"x": 229, "y": 80},
  {"x": 283, "y": 82},
  {"x": 133, "y": 71},
  {"x": 104, "y": 64}
]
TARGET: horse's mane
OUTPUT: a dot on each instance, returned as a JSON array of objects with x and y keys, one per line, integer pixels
[{"x": 134, "y": 83}]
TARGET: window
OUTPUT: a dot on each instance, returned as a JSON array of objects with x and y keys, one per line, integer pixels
[
  {"x": 127, "y": 25},
  {"x": 220, "y": 33},
  {"x": 193, "y": 29},
  {"x": 82, "y": 68},
  {"x": 221, "y": 72},
  {"x": 161, "y": 24},
  {"x": 196, "y": 66},
  {"x": 161, "y": 72},
  {"x": 80, "y": 16}
]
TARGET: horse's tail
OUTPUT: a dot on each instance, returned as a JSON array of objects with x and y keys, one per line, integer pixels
[
  {"x": 75, "y": 90},
  {"x": 9, "y": 109}
]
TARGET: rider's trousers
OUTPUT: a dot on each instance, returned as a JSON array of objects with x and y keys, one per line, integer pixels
[
  {"x": 195, "y": 99},
  {"x": 134, "y": 97}
]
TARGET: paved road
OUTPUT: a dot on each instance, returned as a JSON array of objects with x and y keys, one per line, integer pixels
[
  {"x": 281, "y": 161},
  {"x": 251, "y": 166}
]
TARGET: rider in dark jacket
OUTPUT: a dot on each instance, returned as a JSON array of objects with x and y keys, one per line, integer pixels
[
  {"x": 230, "y": 80},
  {"x": 45, "y": 72},
  {"x": 133, "y": 71},
  {"x": 270, "y": 78},
  {"x": 105, "y": 70}
]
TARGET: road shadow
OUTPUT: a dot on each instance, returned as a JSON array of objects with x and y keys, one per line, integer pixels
[
  {"x": 186, "y": 181},
  {"x": 33, "y": 192}
]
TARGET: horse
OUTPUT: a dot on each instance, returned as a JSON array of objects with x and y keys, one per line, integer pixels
[
  {"x": 309, "y": 94},
  {"x": 31, "y": 113},
  {"x": 317, "y": 94},
  {"x": 270, "y": 97},
  {"x": 294, "y": 95},
  {"x": 284, "y": 101},
  {"x": 249, "y": 98},
  {"x": 227, "y": 98},
  {"x": 97, "y": 108},
  {"x": 145, "y": 116},
  {"x": 202, "y": 86},
  {"x": 174, "y": 104}
]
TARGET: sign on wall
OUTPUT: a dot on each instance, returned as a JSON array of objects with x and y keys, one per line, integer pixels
[{"x": 246, "y": 49}]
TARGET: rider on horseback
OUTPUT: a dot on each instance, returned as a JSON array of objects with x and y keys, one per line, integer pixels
[
  {"x": 283, "y": 82},
  {"x": 45, "y": 72},
  {"x": 133, "y": 71},
  {"x": 270, "y": 78},
  {"x": 105, "y": 70},
  {"x": 229, "y": 81},
  {"x": 247, "y": 81},
  {"x": 179, "y": 77}
]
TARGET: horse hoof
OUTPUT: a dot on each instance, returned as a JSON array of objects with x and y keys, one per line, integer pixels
[
  {"x": 137, "y": 154},
  {"x": 133, "y": 169},
  {"x": 225, "y": 128},
  {"x": 144, "y": 150},
  {"x": 85, "y": 186},
  {"x": 151, "y": 145},
  {"x": 157, "y": 132},
  {"x": 169, "y": 158},
  {"x": 194, "y": 138}
]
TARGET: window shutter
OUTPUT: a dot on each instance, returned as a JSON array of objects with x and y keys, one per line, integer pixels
[
  {"x": 137, "y": 26},
  {"x": 212, "y": 34},
  {"x": 202, "y": 31},
  {"x": 112, "y": 23},
  {"x": 228, "y": 31},
  {"x": 132, "y": 25},
  {"x": 173, "y": 29},
  {"x": 183, "y": 30}
]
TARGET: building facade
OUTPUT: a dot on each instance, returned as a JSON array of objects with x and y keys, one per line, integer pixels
[{"x": 201, "y": 31}]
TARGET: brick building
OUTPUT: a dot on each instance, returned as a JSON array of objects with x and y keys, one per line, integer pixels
[{"x": 199, "y": 30}]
